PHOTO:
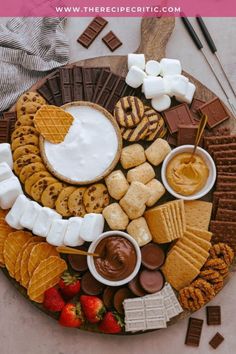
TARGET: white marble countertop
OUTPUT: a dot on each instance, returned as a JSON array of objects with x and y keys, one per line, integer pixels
[{"x": 24, "y": 329}]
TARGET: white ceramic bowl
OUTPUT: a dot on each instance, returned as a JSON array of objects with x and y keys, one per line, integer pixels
[
  {"x": 92, "y": 267},
  {"x": 209, "y": 162}
]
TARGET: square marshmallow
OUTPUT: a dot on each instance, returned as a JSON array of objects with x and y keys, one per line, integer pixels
[
  {"x": 44, "y": 220},
  {"x": 135, "y": 77},
  {"x": 136, "y": 60},
  {"x": 5, "y": 171},
  {"x": 153, "y": 87},
  {"x": 30, "y": 214},
  {"x": 191, "y": 88},
  {"x": 92, "y": 226},
  {"x": 10, "y": 189},
  {"x": 18, "y": 208},
  {"x": 179, "y": 85},
  {"x": 72, "y": 236},
  {"x": 6, "y": 155},
  {"x": 57, "y": 231},
  {"x": 170, "y": 67}
]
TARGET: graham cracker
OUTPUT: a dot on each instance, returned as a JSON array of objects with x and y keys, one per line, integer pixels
[
  {"x": 198, "y": 214},
  {"x": 192, "y": 253},
  {"x": 172, "y": 220},
  {"x": 194, "y": 261},
  {"x": 206, "y": 235},
  {"x": 194, "y": 247},
  {"x": 178, "y": 271},
  {"x": 157, "y": 225},
  {"x": 177, "y": 217},
  {"x": 180, "y": 203},
  {"x": 206, "y": 245}
]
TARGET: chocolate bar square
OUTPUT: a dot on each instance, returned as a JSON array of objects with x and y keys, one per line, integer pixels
[
  {"x": 176, "y": 116},
  {"x": 194, "y": 331},
  {"x": 112, "y": 41},
  {"x": 187, "y": 134},
  {"x": 92, "y": 31},
  {"x": 216, "y": 112},
  {"x": 213, "y": 315},
  {"x": 216, "y": 340}
]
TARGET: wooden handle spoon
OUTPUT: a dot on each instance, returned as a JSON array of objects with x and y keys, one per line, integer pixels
[
  {"x": 69, "y": 250},
  {"x": 200, "y": 131}
]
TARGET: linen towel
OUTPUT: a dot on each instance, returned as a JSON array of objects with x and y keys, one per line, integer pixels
[{"x": 29, "y": 49}]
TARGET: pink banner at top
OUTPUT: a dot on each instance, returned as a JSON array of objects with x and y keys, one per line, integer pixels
[{"x": 121, "y": 8}]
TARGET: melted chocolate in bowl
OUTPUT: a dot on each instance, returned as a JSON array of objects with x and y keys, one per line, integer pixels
[{"x": 117, "y": 258}]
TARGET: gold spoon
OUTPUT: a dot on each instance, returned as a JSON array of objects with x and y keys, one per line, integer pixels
[
  {"x": 69, "y": 250},
  {"x": 200, "y": 130}
]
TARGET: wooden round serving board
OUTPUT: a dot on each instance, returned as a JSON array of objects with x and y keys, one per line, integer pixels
[{"x": 155, "y": 33}]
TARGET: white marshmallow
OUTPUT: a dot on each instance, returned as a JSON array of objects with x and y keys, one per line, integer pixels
[
  {"x": 10, "y": 189},
  {"x": 153, "y": 68},
  {"x": 136, "y": 60},
  {"x": 179, "y": 85},
  {"x": 44, "y": 220},
  {"x": 5, "y": 171},
  {"x": 72, "y": 236},
  {"x": 170, "y": 67},
  {"x": 57, "y": 231},
  {"x": 30, "y": 214},
  {"x": 18, "y": 208},
  {"x": 153, "y": 87},
  {"x": 6, "y": 155},
  {"x": 92, "y": 226},
  {"x": 167, "y": 83},
  {"x": 189, "y": 94},
  {"x": 135, "y": 77},
  {"x": 161, "y": 103}
]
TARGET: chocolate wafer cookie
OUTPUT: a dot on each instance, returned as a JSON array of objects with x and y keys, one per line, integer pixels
[
  {"x": 221, "y": 147},
  {"x": 226, "y": 179},
  {"x": 226, "y": 186},
  {"x": 219, "y": 195},
  {"x": 224, "y": 231},
  {"x": 231, "y": 169},
  {"x": 229, "y": 204},
  {"x": 226, "y": 161},
  {"x": 219, "y": 140},
  {"x": 225, "y": 215},
  {"x": 227, "y": 153}
]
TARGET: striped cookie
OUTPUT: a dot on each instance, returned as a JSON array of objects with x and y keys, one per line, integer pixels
[
  {"x": 34, "y": 178},
  {"x": 28, "y": 139},
  {"x": 159, "y": 132},
  {"x": 30, "y": 169},
  {"x": 50, "y": 194},
  {"x": 26, "y": 119},
  {"x": 37, "y": 189},
  {"x": 24, "y": 130},
  {"x": 62, "y": 201},
  {"x": 153, "y": 118},
  {"x": 24, "y": 161},
  {"x": 129, "y": 111},
  {"x": 24, "y": 150},
  {"x": 137, "y": 133}
]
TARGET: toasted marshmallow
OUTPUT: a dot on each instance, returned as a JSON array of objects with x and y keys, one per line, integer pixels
[
  {"x": 57, "y": 231},
  {"x": 136, "y": 60},
  {"x": 135, "y": 77},
  {"x": 18, "y": 208},
  {"x": 30, "y": 214},
  {"x": 92, "y": 226},
  {"x": 170, "y": 67},
  {"x": 153, "y": 68},
  {"x": 161, "y": 103},
  {"x": 44, "y": 220},
  {"x": 10, "y": 189},
  {"x": 72, "y": 236},
  {"x": 191, "y": 88},
  {"x": 153, "y": 87},
  {"x": 5, "y": 171},
  {"x": 6, "y": 154}
]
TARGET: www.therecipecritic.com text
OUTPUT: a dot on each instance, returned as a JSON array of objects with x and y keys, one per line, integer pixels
[{"x": 119, "y": 9}]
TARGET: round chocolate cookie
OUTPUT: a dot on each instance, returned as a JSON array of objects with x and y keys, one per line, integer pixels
[
  {"x": 119, "y": 297},
  {"x": 153, "y": 256},
  {"x": 90, "y": 285},
  {"x": 135, "y": 287},
  {"x": 108, "y": 296},
  {"x": 78, "y": 262},
  {"x": 151, "y": 280}
]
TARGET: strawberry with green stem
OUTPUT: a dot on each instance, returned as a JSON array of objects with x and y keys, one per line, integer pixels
[
  {"x": 111, "y": 323},
  {"x": 93, "y": 308},
  {"x": 71, "y": 315},
  {"x": 69, "y": 285}
]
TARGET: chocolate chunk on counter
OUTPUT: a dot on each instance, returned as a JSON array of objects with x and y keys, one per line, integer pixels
[
  {"x": 92, "y": 31},
  {"x": 178, "y": 115},
  {"x": 90, "y": 285},
  {"x": 112, "y": 41},
  {"x": 216, "y": 340},
  {"x": 213, "y": 315},
  {"x": 153, "y": 256},
  {"x": 194, "y": 331},
  {"x": 216, "y": 112}
]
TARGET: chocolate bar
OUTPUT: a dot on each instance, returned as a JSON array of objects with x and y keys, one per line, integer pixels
[
  {"x": 226, "y": 161},
  {"x": 45, "y": 91},
  {"x": 194, "y": 331},
  {"x": 54, "y": 85},
  {"x": 216, "y": 340},
  {"x": 92, "y": 31},
  {"x": 216, "y": 198},
  {"x": 224, "y": 231},
  {"x": 66, "y": 82},
  {"x": 213, "y": 315},
  {"x": 78, "y": 90},
  {"x": 196, "y": 104},
  {"x": 231, "y": 169},
  {"x": 5, "y": 134},
  {"x": 225, "y": 215},
  {"x": 226, "y": 186},
  {"x": 221, "y": 147},
  {"x": 176, "y": 116},
  {"x": 172, "y": 139},
  {"x": 227, "y": 153},
  {"x": 229, "y": 204},
  {"x": 187, "y": 134},
  {"x": 215, "y": 111},
  {"x": 219, "y": 140},
  {"x": 112, "y": 41}
]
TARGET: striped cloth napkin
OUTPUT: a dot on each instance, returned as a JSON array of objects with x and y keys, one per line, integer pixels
[{"x": 29, "y": 49}]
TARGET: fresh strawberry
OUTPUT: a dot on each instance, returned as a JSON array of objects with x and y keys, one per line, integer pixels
[
  {"x": 53, "y": 300},
  {"x": 71, "y": 315},
  {"x": 69, "y": 285},
  {"x": 93, "y": 308},
  {"x": 111, "y": 323}
]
